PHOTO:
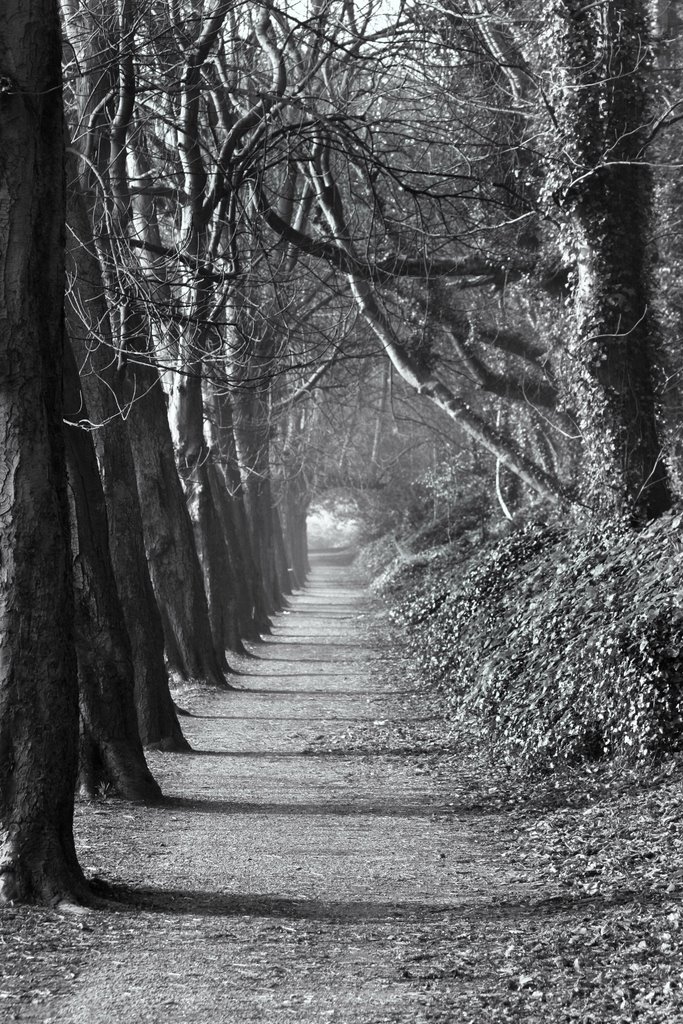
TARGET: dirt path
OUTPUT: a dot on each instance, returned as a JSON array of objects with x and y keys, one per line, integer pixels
[{"x": 284, "y": 886}]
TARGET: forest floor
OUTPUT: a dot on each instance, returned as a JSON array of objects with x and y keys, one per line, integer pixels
[{"x": 329, "y": 852}]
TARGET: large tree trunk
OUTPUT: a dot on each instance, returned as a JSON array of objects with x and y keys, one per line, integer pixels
[
  {"x": 169, "y": 539},
  {"x": 668, "y": 154},
  {"x": 212, "y": 570},
  {"x": 601, "y": 50},
  {"x": 88, "y": 328},
  {"x": 193, "y": 457},
  {"x": 111, "y": 750},
  {"x": 38, "y": 686},
  {"x": 157, "y": 720}
]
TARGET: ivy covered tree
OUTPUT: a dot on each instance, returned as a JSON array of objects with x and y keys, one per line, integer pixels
[{"x": 600, "y": 70}]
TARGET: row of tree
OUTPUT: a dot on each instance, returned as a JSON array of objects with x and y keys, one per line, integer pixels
[{"x": 269, "y": 225}]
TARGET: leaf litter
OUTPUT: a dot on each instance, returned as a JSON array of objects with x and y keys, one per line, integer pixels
[{"x": 583, "y": 922}]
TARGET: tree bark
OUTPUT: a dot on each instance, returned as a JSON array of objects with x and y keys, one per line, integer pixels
[
  {"x": 601, "y": 107},
  {"x": 88, "y": 329},
  {"x": 211, "y": 544},
  {"x": 297, "y": 468},
  {"x": 111, "y": 750},
  {"x": 240, "y": 618},
  {"x": 296, "y": 512},
  {"x": 193, "y": 457},
  {"x": 251, "y": 434},
  {"x": 252, "y": 600},
  {"x": 667, "y": 149},
  {"x": 38, "y": 680},
  {"x": 169, "y": 539},
  {"x": 282, "y": 561}
]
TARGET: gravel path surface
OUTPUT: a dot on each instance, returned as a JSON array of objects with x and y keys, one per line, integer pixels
[{"x": 280, "y": 885}]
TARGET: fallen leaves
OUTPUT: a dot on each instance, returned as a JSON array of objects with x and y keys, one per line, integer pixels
[
  {"x": 598, "y": 937},
  {"x": 590, "y": 932}
]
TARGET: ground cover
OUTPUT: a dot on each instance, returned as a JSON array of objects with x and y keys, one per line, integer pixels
[
  {"x": 599, "y": 851},
  {"x": 333, "y": 850}
]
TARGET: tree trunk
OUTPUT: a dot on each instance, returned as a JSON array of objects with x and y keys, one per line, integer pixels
[
  {"x": 38, "y": 681},
  {"x": 667, "y": 150},
  {"x": 297, "y": 466},
  {"x": 295, "y": 519},
  {"x": 240, "y": 616},
  {"x": 213, "y": 555},
  {"x": 111, "y": 748},
  {"x": 169, "y": 538},
  {"x": 193, "y": 456},
  {"x": 601, "y": 108},
  {"x": 88, "y": 329},
  {"x": 157, "y": 719},
  {"x": 282, "y": 564},
  {"x": 251, "y": 596},
  {"x": 251, "y": 433}
]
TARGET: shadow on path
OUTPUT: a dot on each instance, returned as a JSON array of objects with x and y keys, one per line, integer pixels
[
  {"x": 353, "y": 911},
  {"x": 356, "y": 807}
]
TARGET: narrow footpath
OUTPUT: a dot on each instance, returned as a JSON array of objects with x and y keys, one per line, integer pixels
[{"x": 283, "y": 883}]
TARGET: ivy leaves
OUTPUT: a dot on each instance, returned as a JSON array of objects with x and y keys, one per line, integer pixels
[{"x": 560, "y": 643}]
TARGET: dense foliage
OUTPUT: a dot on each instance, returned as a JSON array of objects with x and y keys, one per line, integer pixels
[{"x": 558, "y": 641}]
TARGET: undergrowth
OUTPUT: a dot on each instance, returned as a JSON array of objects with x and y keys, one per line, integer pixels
[{"x": 561, "y": 644}]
